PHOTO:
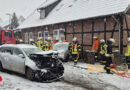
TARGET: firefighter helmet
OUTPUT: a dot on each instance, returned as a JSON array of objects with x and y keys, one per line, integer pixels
[
  {"x": 74, "y": 39},
  {"x": 57, "y": 39},
  {"x": 128, "y": 38},
  {"x": 102, "y": 41},
  {"x": 49, "y": 38},
  {"x": 95, "y": 37},
  {"x": 31, "y": 40},
  {"x": 40, "y": 38},
  {"x": 112, "y": 40}
]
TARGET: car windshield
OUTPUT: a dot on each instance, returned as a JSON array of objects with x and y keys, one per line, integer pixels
[
  {"x": 29, "y": 51},
  {"x": 17, "y": 34},
  {"x": 60, "y": 47}
]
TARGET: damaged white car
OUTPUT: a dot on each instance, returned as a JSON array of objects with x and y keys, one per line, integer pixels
[
  {"x": 31, "y": 61},
  {"x": 63, "y": 50}
]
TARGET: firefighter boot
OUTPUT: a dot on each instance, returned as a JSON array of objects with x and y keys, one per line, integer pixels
[{"x": 75, "y": 62}]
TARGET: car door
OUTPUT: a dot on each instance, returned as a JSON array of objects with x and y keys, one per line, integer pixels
[
  {"x": 19, "y": 60},
  {"x": 6, "y": 55}
]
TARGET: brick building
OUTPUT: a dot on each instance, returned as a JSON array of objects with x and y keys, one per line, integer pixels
[{"x": 82, "y": 19}]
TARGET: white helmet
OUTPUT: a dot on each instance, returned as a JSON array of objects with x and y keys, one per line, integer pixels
[
  {"x": 102, "y": 40},
  {"x": 74, "y": 39},
  {"x": 128, "y": 38},
  {"x": 31, "y": 40},
  {"x": 112, "y": 40},
  {"x": 40, "y": 38},
  {"x": 49, "y": 38},
  {"x": 57, "y": 39},
  {"x": 95, "y": 37}
]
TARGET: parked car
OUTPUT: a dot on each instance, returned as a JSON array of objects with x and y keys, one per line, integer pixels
[
  {"x": 31, "y": 61},
  {"x": 63, "y": 50}
]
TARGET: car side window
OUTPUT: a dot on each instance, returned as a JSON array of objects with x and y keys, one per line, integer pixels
[
  {"x": 17, "y": 51},
  {"x": 2, "y": 49},
  {"x": 6, "y": 50}
]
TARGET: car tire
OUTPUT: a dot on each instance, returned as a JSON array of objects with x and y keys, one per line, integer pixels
[
  {"x": 1, "y": 67},
  {"x": 30, "y": 74}
]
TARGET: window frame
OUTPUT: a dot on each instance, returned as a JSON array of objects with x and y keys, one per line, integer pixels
[
  {"x": 45, "y": 37},
  {"x": 31, "y": 36},
  {"x": 26, "y": 38},
  {"x": 40, "y": 32},
  {"x": 58, "y": 33}
]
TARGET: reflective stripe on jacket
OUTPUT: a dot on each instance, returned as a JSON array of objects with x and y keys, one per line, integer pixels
[
  {"x": 128, "y": 51},
  {"x": 108, "y": 50},
  {"x": 76, "y": 48},
  {"x": 39, "y": 44}
]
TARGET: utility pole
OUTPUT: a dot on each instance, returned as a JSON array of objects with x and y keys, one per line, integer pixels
[{"x": 10, "y": 15}]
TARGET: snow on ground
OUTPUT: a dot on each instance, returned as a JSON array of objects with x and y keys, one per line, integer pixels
[
  {"x": 95, "y": 80},
  {"x": 18, "y": 82}
]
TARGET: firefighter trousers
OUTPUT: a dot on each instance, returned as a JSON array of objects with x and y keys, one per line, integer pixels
[
  {"x": 103, "y": 59},
  {"x": 128, "y": 61},
  {"x": 75, "y": 58},
  {"x": 107, "y": 64}
]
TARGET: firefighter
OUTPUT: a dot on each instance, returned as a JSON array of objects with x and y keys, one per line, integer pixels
[
  {"x": 39, "y": 43},
  {"x": 45, "y": 48},
  {"x": 49, "y": 45},
  {"x": 32, "y": 42},
  {"x": 95, "y": 47},
  {"x": 75, "y": 50},
  {"x": 101, "y": 51},
  {"x": 108, "y": 54},
  {"x": 127, "y": 53}
]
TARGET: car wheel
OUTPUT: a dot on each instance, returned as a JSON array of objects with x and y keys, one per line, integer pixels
[
  {"x": 1, "y": 67},
  {"x": 30, "y": 74}
]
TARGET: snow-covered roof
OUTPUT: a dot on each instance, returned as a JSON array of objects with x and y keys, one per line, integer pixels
[{"x": 71, "y": 10}]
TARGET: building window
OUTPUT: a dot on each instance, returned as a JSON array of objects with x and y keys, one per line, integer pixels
[
  {"x": 26, "y": 38},
  {"x": 39, "y": 34},
  {"x": 46, "y": 34},
  {"x": 31, "y": 36},
  {"x": 60, "y": 33},
  {"x": 42, "y": 13}
]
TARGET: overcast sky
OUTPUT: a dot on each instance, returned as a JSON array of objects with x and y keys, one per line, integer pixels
[{"x": 21, "y": 7}]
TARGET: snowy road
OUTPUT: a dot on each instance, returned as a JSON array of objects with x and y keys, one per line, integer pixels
[{"x": 18, "y": 82}]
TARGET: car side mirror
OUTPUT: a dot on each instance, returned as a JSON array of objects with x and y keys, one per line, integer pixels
[{"x": 21, "y": 55}]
